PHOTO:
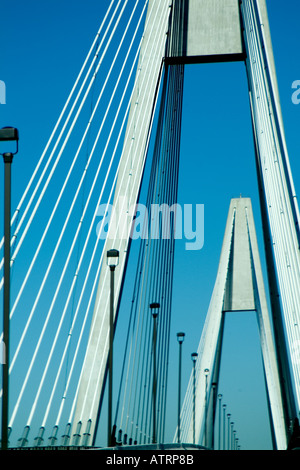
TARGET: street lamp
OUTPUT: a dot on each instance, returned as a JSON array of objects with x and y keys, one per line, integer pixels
[
  {"x": 206, "y": 372},
  {"x": 6, "y": 134},
  {"x": 233, "y": 444},
  {"x": 220, "y": 406},
  {"x": 228, "y": 430},
  {"x": 224, "y": 423},
  {"x": 180, "y": 339},
  {"x": 194, "y": 359},
  {"x": 154, "y": 307},
  {"x": 214, "y": 390},
  {"x": 231, "y": 434},
  {"x": 112, "y": 261}
]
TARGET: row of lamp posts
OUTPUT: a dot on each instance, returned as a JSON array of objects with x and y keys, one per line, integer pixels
[
  {"x": 232, "y": 440},
  {"x": 112, "y": 262},
  {"x": 11, "y": 134}
]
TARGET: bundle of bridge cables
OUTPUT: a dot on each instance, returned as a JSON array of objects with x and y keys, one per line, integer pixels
[{"x": 56, "y": 255}]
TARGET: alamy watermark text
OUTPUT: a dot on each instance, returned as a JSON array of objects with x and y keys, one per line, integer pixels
[
  {"x": 160, "y": 221},
  {"x": 2, "y": 92}
]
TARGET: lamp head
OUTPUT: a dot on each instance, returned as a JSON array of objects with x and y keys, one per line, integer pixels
[
  {"x": 154, "y": 309},
  {"x": 112, "y": 258},
  {"x": 9, "y": 134},
  {"x": 194, "y": 356},
  {"x": 180, "y": 337}
]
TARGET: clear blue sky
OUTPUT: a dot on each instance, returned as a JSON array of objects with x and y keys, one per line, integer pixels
[{"x": 43, "y": 45}]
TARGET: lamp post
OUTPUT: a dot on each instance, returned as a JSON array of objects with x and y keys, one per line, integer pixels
[
  {"x": 231, "y": 434},
  {"x": 206, "y": 372},
  {"x": 228, "y": 430},
  {"x": 224, "y": 423},
  {"x": 154, "y": 307},
  {"x": 233, "y": 444},
  {"x": 180, "y": 339},
  {"x": 6, "y": 134},
  {"x": 194, "y": 359},
  {"x": 220, "y": 401},
  {"x": 112, "y": 261},
  {"x": 212, "y": 419}
]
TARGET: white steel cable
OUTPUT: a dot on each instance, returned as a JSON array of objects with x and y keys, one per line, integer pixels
[
  {"x": 65, "y": 141},
  {"x": 91, "y": 225},
  {"x": 282, "y": 222},
  {"x": 28, "y": 272},
  {"x": 73, "y": 244},
  {"x": 106, "y": 339},
  {"x": 287, "y": 163},
  {"x": 88, "y": 271},
  {"x": 61, "y": 192},
  {"x": 270, "y": 166},
  {"x": 17, "y": 211},
  {"x": 132, "y": 402},
  {"x": 99, "y": 267},
  {"x": 93, "y": 365},
  {"x": 72, "y": 166},
  {"x": 57, "y": 123},
  {"x": 94, "y": 403},
  {"x": 146, "y": 271}
]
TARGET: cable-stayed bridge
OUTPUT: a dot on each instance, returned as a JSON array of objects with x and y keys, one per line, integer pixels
[{"x": 116, "y": 144}]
